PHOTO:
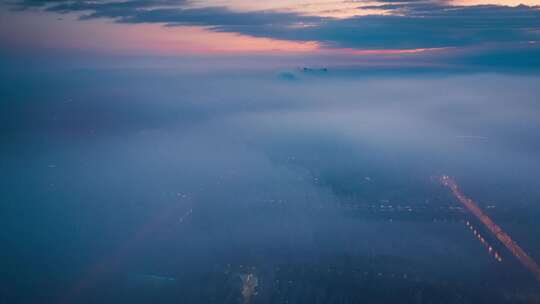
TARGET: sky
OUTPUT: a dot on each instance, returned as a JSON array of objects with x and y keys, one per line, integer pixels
[{"x": 493, "y": 32}]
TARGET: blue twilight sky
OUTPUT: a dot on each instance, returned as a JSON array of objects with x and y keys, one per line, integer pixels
[{"x": 499, "y": 33}]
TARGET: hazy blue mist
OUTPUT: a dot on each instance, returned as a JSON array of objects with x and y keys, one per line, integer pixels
[{"x": 127, "y": 181}]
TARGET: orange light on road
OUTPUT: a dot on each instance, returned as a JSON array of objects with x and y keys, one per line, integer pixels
[{"x": 497, "y": 231}]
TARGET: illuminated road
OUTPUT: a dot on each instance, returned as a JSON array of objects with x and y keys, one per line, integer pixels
[
  {"x": 484, "y": 242},
  {"x": 502, "y": 236}
]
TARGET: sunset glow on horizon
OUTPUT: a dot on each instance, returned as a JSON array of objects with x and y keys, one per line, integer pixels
[{"x": 47, "y": 29}]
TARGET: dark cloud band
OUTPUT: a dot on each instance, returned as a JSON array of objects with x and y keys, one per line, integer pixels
[{"x": 413, "y": 24}]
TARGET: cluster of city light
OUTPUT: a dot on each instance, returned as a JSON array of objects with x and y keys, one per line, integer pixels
[
  {"x": 249, "y": 286},
  {"x": 497, "y": 231},
  {"x": 496, "y": 255}
]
